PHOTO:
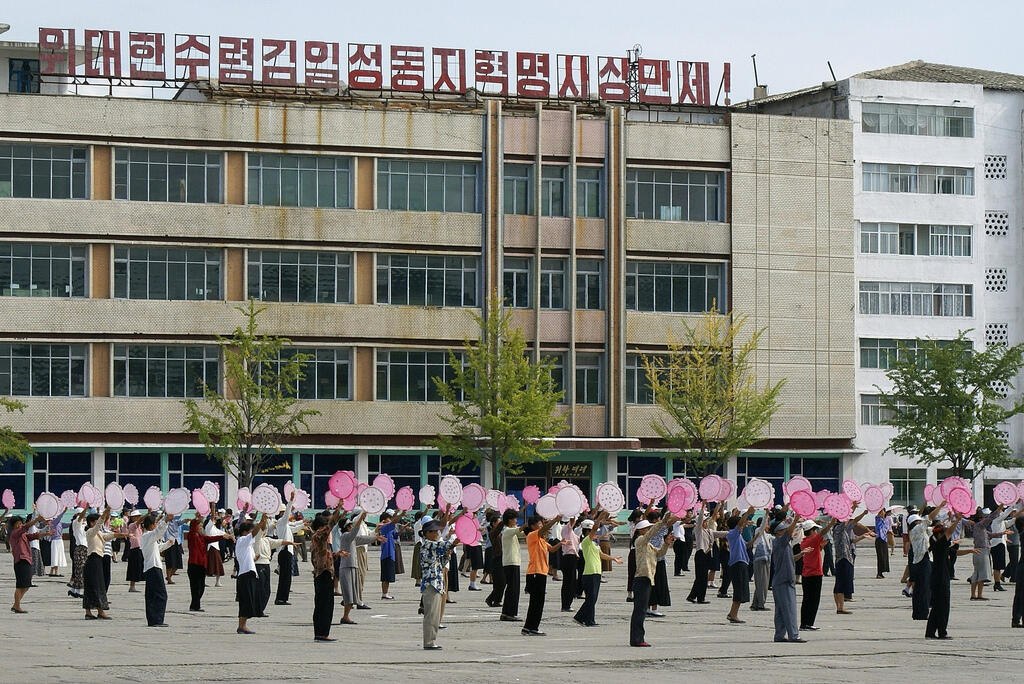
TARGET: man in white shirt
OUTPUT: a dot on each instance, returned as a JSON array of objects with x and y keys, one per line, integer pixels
[
  {"x": 263, "y": 546},
  {"x": 153, "y": 568}
]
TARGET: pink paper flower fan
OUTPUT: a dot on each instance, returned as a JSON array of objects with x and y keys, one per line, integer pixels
[
  {"x": 802, "y": 503},
  {"x": 244, "y": 495},
  {"x": 386, "y": 484},
  {"x": 330, "y": 500},
  {"x": 342, "y": 484},
  {"x": 836, "y": 505},
  {"x": 466, "y": 529},
  {"x": 710, "y": 486},
  {"x": 852, "y": 490},
  {"x": 961, "y": 501},
  {"x": 131, "y": 494},
  {"x": 874, "y": 499},
  {"x": 427, "y": 495},
  {"x": 211, "y": 490},
  {"x": 928, "y": 489},
  {"x": 405, "y": 499},
  {"x": 819, "y": 498},
  {"x": 531, "y": 493},
  {"x": 799, "y": 483},
  {"x": 200, "y": 502},
  {"x": 302, "y": 500},
  {"x": 1005, "y": 493},
  {"x": 547, "y": 507},
  {"x": 937, "y": 497},
  {"x": 8, "y": 499},
  {"x": 473, "y": 497}
]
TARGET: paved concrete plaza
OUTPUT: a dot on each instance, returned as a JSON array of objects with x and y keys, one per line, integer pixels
[{"x": 879, "y": 642}]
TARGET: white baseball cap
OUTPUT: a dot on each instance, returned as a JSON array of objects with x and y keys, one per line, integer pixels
[
  {"x": 913, "y": 519},
  {"x": 643, "y": 525},
  {"x": 589, "y": 524}
]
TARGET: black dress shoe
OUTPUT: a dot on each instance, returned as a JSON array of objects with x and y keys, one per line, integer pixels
[
  {"x": 282, "y": 603},
  {"x": 435, "y": 647},
  {"x": 362, "y": 606}
]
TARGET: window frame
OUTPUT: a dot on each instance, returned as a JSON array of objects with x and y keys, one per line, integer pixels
[
  {"x": 399, "y": 182},
  {"x": 589, "y": 368},
  {"x": 517, "y": 188},
  {"x": 207, "y": 357},
  {"x": 133, "y": 262},
  {"x": 261, "y": 170},
  {"x": 554, "y": 270},
  {"x": 25, "y": 163},
  {"x": 390, "y": 368},
  {"x": 156, "y": 169},
  {"x": 19, "y": 260},
  {"x": 644, "y": 275},
  {"x": 643, "y": 184},
  {"x": 260, "y": 265},
  {"x": 517, "y": 278},
  {"x": 32, "y": 356},
  {"x": 389, "y": 275}
]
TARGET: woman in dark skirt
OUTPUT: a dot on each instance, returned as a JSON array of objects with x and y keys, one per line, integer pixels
[
  {"x": 135, "y": 560},
  {"x": 79, "y": 554},
  {"x": 94, "y": 595},
  {"x": 247, "y": 584},
  {"x": 174, "y": 557},
  {"x": 214, "y": 557}
]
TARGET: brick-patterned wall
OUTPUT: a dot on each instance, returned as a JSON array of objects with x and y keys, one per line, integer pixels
[{"x": 792, "y": 271}]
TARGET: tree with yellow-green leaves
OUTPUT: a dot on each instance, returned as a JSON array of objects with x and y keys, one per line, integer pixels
[{"x": 706, "y": 386}]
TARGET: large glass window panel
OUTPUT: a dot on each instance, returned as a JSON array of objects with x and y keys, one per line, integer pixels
[
  {"x": 667, "y": 195},
  {"x": 426, "y": 186},
  {"x": 418, "y": 280},
  {"x": 43, "y": 171},
  {"x": 159, "y": 175},
  {"x": 43, "y": 370},
  {"x": 167, "y": 273},
  {"x": 42, "y": 270}
]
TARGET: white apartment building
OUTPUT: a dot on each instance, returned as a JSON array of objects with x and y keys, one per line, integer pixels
[{"x": 939, "y": 222}]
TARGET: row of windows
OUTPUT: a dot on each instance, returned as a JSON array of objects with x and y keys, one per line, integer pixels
[
  {"x": 53, "y": 270},
  {"x": 916, "y": 299},
  {"x": 181, "y": 371},
  {"x": 912, "y": 178},
  {"x": 196, "y": 176},
  {"x": 919, "y": 239},
  {"x": 913, "y": 119}
]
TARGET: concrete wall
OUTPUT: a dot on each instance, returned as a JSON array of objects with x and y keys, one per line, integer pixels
[{"x": 792, "y": 266}]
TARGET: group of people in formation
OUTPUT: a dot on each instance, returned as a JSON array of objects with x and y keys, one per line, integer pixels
[{"x": 775, "y": 549}]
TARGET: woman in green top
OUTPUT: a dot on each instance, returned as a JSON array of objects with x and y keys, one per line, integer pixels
[{"x": 592, "y": 557}]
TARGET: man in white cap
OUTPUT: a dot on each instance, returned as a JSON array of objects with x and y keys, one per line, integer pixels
[{"x": 434, "y": 555}]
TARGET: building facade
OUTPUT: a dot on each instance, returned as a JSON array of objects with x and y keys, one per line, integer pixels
[
  {"x": 938, "y": 206},
  {"x": 370, "y": 229}
]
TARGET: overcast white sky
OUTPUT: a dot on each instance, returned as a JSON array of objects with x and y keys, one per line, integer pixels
[{"x": 792, "y": 38}]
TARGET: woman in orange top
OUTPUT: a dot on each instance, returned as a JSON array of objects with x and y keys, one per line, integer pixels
[{"x": 537, "y": 571}]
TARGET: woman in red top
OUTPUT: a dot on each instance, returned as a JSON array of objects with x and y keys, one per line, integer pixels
[
  {"x": 22, "y": 552},
  {"x": 810, "y": 546},
  {"x": 197, "y": 542}
]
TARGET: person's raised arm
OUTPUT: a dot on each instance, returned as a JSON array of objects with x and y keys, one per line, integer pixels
[
  {"x": 948, "y": 530},
  {"x": 936, "y": 510},
  {"x": 745, "y": 519}
]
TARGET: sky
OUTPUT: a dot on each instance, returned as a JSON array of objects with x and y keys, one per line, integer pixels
[{"x": 793, "y": 39}]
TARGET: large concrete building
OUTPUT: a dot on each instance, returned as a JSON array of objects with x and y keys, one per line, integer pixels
[
  {"x": 938, "y": 209},
  {"x": 370, "y": 229}
]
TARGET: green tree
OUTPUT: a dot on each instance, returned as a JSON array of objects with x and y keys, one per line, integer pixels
[
  {"x": 13, "y": 445},
  {"x": 244, "y": 429},
  {"x": 946, "y": 406},
  {"x": 713, "y": 406},
  {"x": 503, "y": 409}
]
